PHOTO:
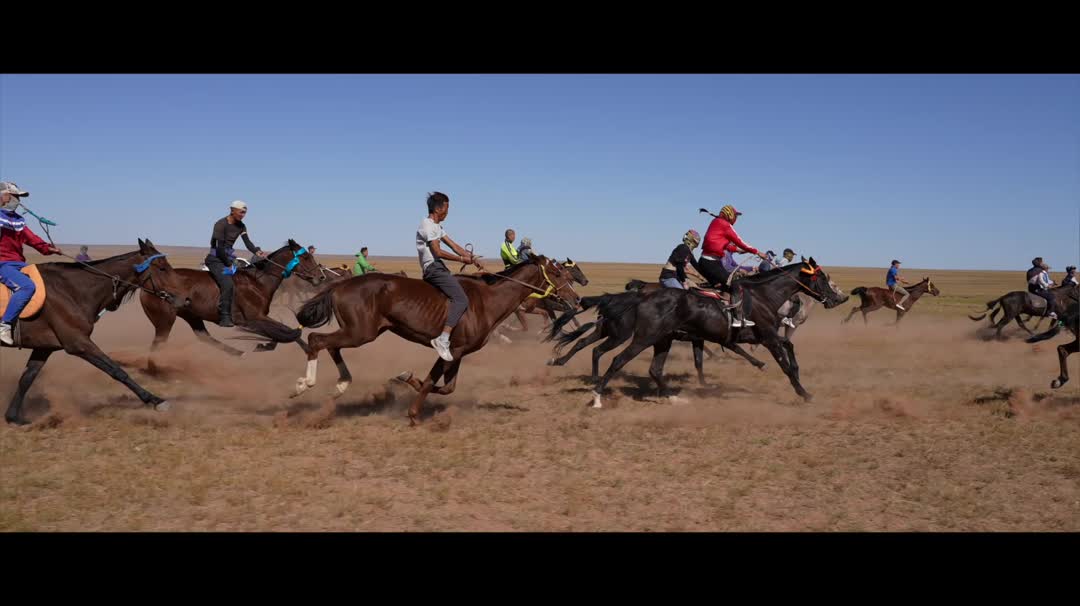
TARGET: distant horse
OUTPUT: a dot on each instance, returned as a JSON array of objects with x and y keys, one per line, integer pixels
[
  {"x": 876, "y": 297},
  {"x": 1070, "y": 319},
  {"x": 1019, "y": 302},
  {"x": 76, "y": 296},
  {"x": 548, "y": 308},
  {"x": 254, "y": 289}
]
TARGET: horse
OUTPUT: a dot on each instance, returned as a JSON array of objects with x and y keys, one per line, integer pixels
[
  {"x": 1020, "y": 302},
  {"x": 254, "y": 290},
  {"x": 77, "y": 295},
  {"x": 620, "y": 328},
  {"x": 661, "y": 315},
  {"x": 548, "y": 308},
  {"x": 1071, "y": 319},
  {"x": 415, "y": 310},
  {"x": 876, "y": 297}
]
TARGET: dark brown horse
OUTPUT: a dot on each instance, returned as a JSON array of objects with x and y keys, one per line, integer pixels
[
  {"x": 547, "y": 307},
  {"x": 76, "y": 295},
  {"x": 1020, "y": 302},
  {"x": 1071, "y": 319},
  {"x": 876, "y": 297},
  {"x": 415, "y": 310},
  {"x": 255, "y": 287}
]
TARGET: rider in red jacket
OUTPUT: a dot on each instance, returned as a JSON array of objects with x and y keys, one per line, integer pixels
[
  {"x": 13, "y": 235},
  {"x": 721, "y": 239}
]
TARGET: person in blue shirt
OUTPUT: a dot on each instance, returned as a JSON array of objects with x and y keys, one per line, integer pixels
[{"x": 893, "y": 281}]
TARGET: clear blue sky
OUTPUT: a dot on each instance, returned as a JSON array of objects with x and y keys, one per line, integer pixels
[{"x": 943, "y": 171}]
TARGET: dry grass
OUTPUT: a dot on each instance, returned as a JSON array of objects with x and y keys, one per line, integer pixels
[{"x": 921, "y": 428}]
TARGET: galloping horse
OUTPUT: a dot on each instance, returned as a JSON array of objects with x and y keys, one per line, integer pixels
[
  {"x": 415, "y": 310},
  {"x": 255, "y": 287},
  {"x": 1071, "y": 319},
  {"x": 76, "y": 296},
  {"x": 547, "y": 308},
  {"x": 876, "y": 297},
  {"x": 1018, "y": 302}
]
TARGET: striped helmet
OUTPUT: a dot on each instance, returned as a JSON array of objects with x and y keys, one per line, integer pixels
[
  {"x": 729, "y": 212},
  {"x": 691, "y": 238}
]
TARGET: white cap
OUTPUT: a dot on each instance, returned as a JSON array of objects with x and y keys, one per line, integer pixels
[{"x": 240, "y": 204}]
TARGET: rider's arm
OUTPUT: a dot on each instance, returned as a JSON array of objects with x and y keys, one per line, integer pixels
[
  {"x": 466, "y": 256},
  {"x": 38, "y": 244},
  {"x": 735, "y": 239},
  {"x": 250, "y": 246},
  {"x": 436, "y": 247}
]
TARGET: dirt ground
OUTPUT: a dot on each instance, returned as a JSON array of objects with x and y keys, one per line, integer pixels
[{"x": 921, "y": 427}]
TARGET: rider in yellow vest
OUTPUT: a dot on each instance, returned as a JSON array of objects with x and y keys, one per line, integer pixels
[{"x": 508, "y": 252}]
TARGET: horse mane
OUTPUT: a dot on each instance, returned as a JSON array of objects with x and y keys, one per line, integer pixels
[
  {"x": 772, "y": 274},
  {"x": 95, "y": 262},
  {"x": 491, "y": 279}
]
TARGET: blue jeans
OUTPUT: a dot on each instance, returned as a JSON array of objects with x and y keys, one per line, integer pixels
[
  {"x": 671, "y": 283},
  {"x": 22, "y": 289}
]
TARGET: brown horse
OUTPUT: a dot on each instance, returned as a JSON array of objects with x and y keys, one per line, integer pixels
[
  {"x": 255, "y": 287},
  {"x": 76, "y": 297},
  {"x": 415, "y": 310},
  {"x": 1071, "y": 319},
  {"x": 547, "y": 307},
  {"x": 875, "y": 298}
]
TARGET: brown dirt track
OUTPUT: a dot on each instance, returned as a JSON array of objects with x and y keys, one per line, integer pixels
[{"x": 922, "y": 428}]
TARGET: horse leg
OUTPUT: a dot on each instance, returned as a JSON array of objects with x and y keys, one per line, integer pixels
[
  {"x": 450, "y": 376},
  {"x": 601, "y": 349},
  {"x": 793, "y": 364},
  {"x": 1005, "y": 319},
  {"x": 656, "y": 369},
  {"x": 162, "y": 328},
  {"x": 86, "y": 349},
  {"x": 344, "y": 376},
  {"x": 521, "y": 318},
  {"x": 636, "y": 346},
  {"x": 33, "y": 367},
  {"x": 864, "y": 321},
  {"x": 758, "y": 364},
  {"x": 1024, "y": 326},
  {"x": 200, "y": 331},
  {"x": 424, "y": 389},
  {"x": 699, "y": 363},
  {"x": 780, "y": 353},
  {"x": 593, "y": 337},
  {"x": 334, "y": 341},
  {"x": 848, "y": 318},
  {"x": 1063, "y": 355},
  {"x": 433, "y": 377}
]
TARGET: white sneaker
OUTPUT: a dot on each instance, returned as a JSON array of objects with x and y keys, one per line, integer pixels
[
  {"x": 737, "y": 323},
  {"x": 442, "y": 348},
  {"x": 5, "y": 335},
  {"x": 787, "y": 322},
  {"x": 1053, "y": 316},
  {"x": 898, "y": 306}
]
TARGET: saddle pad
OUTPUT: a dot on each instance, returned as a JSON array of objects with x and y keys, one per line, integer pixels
[
  {"x": 36, "y": 302},
  {"x": 711, "y": 294}
]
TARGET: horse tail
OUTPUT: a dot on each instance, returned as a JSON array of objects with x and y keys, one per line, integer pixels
[
  {"x": 566, "y": 339},
  {"x": 272, "y": 330},
  {"x": 635, "y": 285},
  {"x": 563, "y": 320},
  {"x": 989, "y": 306},
  {"x": 860, "y": 291},
  {"x": 318, "y": 310},
  {"x": 1050, "y": 334},
  {"x": 977, "y": 318}
]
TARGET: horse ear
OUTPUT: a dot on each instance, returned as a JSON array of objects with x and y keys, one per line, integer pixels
[
  {"x": 142, "y": 245},
  {"x": 149, "y": 244},
  {"x": 812, "y": 262},
  {"x": 803, "y": 258}
]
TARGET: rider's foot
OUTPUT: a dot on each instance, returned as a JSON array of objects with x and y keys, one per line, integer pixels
[
  {"x": 737, "y": 323},
  {"x": 898, "y": 306},
  {"x": 787, "y": 322},
  {"x": 5, "y": 334},
  {"x": 442, "y": 348},
  {"x": 226, "y": 322},
  {"x": 1053, "y": 315}
]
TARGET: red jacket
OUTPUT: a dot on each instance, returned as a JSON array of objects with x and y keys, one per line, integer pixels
[
  {"x": 721, "y": 237},
  {"x": 11, "y": 244}
]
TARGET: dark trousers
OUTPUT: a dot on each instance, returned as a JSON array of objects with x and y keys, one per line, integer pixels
[
  {"x": 225, "y": 284},
  {"x": 1045, "y": 294},
  {"x": 440, "y": 277}
]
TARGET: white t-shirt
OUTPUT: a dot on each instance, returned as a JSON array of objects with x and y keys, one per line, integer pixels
[{"x": 428, "y": 231}]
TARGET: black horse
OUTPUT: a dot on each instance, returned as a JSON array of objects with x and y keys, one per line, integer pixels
[
  {"x": 1020, "y": 302},
  {"x": 660, "y": 315},
  {"x": 1070, "y": 319}
]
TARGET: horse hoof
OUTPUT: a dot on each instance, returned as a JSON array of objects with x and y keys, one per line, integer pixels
[
  {"x": 301, "y": 386},
  {"x": 551, "y": 362},
  {"x": 677, "y": 400},
  {"x": 1056, "y": 383},
  {"x": 404, "y": 377},
  {"x": 761, "y": 368},
  {"x": 596, "y": 401},
  {"x": 162, "y": 406},
  {"x": 807, "y": 397},
  {"x": 16, "y": 421},
  {"x": 342, "y": 386}
]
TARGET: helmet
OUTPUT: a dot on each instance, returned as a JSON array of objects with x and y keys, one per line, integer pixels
[
  {"x": 239, "y": 205},
  {"x": 729, "y": 212},
  {"x": 691, "y": 238}
]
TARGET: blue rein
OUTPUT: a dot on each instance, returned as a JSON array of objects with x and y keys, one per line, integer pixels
[
  {"x": 291, "y": 265},
  {"x": 145, "y": 265}
]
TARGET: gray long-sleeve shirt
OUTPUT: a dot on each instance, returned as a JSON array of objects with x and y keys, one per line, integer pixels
[{"x": 224, "y": 237}]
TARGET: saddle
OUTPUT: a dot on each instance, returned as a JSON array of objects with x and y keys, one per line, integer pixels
[
  {"x": 716, "y": 294},
  {"x": 38, "y": 299}
]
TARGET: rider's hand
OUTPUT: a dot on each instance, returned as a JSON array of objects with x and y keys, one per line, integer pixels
[
  {"x": 54, "y": 250},
  {"x": 260, "y": 254},
  {"x": 477, "y": 263}
]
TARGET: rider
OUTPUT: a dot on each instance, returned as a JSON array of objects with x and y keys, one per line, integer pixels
[
  {"x": 720, "y": 239},
  {"x": 508, "y": 253},
  {"x": 674, "y": 273},
  {"x": 525, "y": 250},
  {"x": 14, "y": 233},
  {"x": 893, "y": 281},
  {"x": 768, "y": 263},
  {"x": 1070, "y": 276},
  {"x": 222, "y": 256},
  {"x": 1039, "y": 284},
  {"x": 786, "y": 258},
  {"x": 428, "y": 238},
  {"x": 791, "y": 307},
  {"x": 84, "y": 254},
  {"x": 362, "y": 266}
]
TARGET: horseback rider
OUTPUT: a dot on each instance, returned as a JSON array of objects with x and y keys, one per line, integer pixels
[
  {"x": 674, "y": 273},
  {"x": 791, "y": 307},
  {"x": 525, "y": 250},
  {"x": 1070, "y": 276},
  {"x": 84, "y": 254},
  {"x": 769, "y": 262},
  {"x": 720, "y": 239},
  {"x": 222, "y": 258},
  {"x": 362, "y": 266},
  {"x": 1039, "y": 284},
  {"x": 14, "y": 233},
  {"x": 893, "y": 280},
  {"x": 428, "y": 238},
  {"x": 508, "y": 253},
  {"x": 787, "y": 257}
]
